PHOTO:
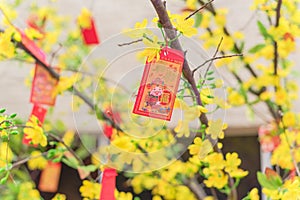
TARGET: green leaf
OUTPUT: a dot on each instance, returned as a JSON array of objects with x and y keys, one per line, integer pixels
[
  {"x": 12, "y": 115},
  {"x": 198, "y": 19},
  {"x": 71, "y": 162},
  {"x": 14, "y": 132},
  {"x": 2, "y": 110},
  {"x": 88, "y": 168},
  {"x": 256, "y": 48},
  {"x": 271, "y": 183},
  {"x": 263, "y": 30}
]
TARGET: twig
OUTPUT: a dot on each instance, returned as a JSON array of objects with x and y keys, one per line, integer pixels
[
  {"x": 25, "y": 160},
  {"x": 55, "y": 53},
  {"x": 129, "y": 43},
  {"x": 196, "y": 188},
  {"x": 201, "y": 8},
  {"x": 216, "y": 58}
]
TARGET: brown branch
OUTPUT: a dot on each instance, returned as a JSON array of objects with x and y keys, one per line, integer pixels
[
  {"x": 171, "y": 34},
  {"x": 199, "y": 9},
  {"x": 196, "y": 188},
  {"x": 129, "y": 43}
]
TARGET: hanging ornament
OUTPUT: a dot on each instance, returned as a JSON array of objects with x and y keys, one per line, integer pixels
[
  {"x": 43, "y": 87},
  {"x": 108, "y": 184},
  {"x": 159, "y": 85},
  {"x": 88, "y": 28},
  {"x": 50, "y": 177}
]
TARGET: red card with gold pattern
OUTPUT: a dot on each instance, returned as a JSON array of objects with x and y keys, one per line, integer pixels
[
  {"x": 43, "y": 86},
  {"x": 159, "y": 85},
  {"x": 50, "y": 177},
  {"x": 90, "y": 35}
]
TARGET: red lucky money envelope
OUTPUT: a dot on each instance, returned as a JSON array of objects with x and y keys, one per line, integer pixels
[
  {"x": 43, "y": 87},
  {"x": 159, "y": 85},
  {"x": 90, "y": 35}
]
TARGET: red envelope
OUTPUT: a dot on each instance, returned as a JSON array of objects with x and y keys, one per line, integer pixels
[
  {"x": 159, "y": 85},
  {"x": 43, "y": 86},
  {"x": 32, "y": 47},
  {"x": 50, "y": 177},
  {"x": 108, "y": 184},
  {"x": 90, "y": 35}
]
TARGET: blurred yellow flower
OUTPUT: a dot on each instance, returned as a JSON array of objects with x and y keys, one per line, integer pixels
[
  {"x": 59, "y": 197},
  {"x": 90, "y": 190},
  {"x": 6, "y": 154},
  {"x": 253, "y": 195},
  {"x": 37, "y": 161},
  {"x": 27, "y": 191},
  {"x": 65, "y": 83},
  {"x": 215, "y": 128},
  {"x": 84, "y": 19},
  {"x": 151, "y": 51}
]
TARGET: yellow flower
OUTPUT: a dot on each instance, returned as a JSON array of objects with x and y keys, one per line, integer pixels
[
  {"x": 184, "y": 26},
  {"x": 253, "y": 195},
  {"x": 90, "y": 190},
  {"x": 215, "y": 162},
  {"x": 235, "y": 98},
  {"x": 84, "y": 19},
  {"x": 238, "y": 173},
  {"x": 32, "y": 33},
  {"x": 151, "y": 51},
  {"x": 7, "y": 48},
  {"x": 139, "y": 30},
  {"x": 200, "y": 148},
  {"x": 191, "y": 4},
  {"x": 123, "y": 195},
  {"x": 232, "y": 162},
  {"x": 27, "y": 191},
  {"x": 37, "y": 161},
  {"x": 216, "y": 178},
  {"x": 289, "y": 119},
  {"x": 65, "y": 83},
  {"x": 34, "y": 132},
  {"x": 6, "y": 154},
  {"x": 59, "y": 197},
  {"x": 182, "y": 128},
  {"x": 206, "y": 95},
  {"x": 215, "y": 129}
]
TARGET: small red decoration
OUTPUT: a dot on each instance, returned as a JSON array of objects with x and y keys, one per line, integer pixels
[
  {"x": 159, "y": 85},
  {"x": 108, "y": 184},
  {"x": 90, "y": 35}
]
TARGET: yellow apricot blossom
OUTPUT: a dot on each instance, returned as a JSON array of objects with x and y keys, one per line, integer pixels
[
  {"x": 215, "y": 128},
  {"x": 200, "y": 148},
  {"x": 184, "y": 26},
  {"x": 27, "y": 191},
  {"x": 7, "y": 48},
  {"x": 59, "y": 196},
  {"x": 6, "y": 154},
  {"x": 84, "y": 19},
  {"x": 65, "y": 83},
  {"x": 90, "y": 190},
  {"x": 34, "y": 132},
  {"x": 152, "y": 49},
  {"x": 37, "y": 161}
]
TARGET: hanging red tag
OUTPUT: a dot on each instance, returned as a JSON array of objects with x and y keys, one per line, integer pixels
[
  {"x": 50, "y": 176},
  {"x": 90, "y": 35},
  {"x": 108, "y": 184},
  {"x": 159, "y": 85},
  {"x": 40, "y": 113},
  {"x": 32, "y": 47},
  {"x": 43, "y": 87}
]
